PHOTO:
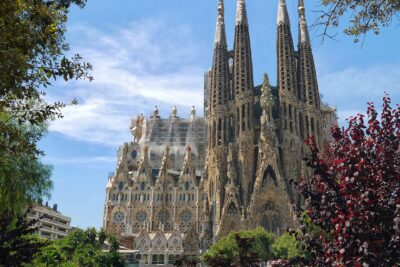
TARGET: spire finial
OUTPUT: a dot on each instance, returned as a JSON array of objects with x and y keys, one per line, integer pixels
[
  {"x": 303, "y": 34},
  {"x": 283, "y": 16},
  {"x": 241, "y": 13},
  {"x": 221, "y": 8},
  {"x": 220, "y": 36},
  {"x": 301, "y": 8}
]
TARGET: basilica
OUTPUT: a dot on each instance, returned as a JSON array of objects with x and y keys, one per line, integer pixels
[{"x": 184, "y": 182}]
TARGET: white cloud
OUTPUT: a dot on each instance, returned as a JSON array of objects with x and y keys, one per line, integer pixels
[
  {"x": 135, "y": 68},
  {"x": 352, "y": 88}
]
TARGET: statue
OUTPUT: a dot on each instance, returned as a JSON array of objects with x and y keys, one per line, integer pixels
[
  {"x": 192, "y": 114},
  {"x": 137, "y": 127},
  {"x": 174, "y": 112},
  {"x": 155, "y": 113}
]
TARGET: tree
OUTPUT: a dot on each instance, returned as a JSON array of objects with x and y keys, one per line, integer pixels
[
  {"x": 18, "y": 245},
  {"x": 80, "y": 248},
  {"x": 32, "y": 51},
  {"x": 32, "y": 48},
  {"x": 286, "y": 247},
  {"x": 354, "y": 194},
  {"x": 23, "y": 178},
  {"x": 240, "y": 249},
  {"x": 365, "y": 15},
  {"x": 184, "y": 260}
]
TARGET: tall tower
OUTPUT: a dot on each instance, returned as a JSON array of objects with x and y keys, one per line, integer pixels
[
  {"x": 244, "y": 102},
  {"x": 308, "y": 85},
  {"x": 289, "y": 108},
  {"x": 287, "y": 83},
  {"x": 218, "y": 115}
]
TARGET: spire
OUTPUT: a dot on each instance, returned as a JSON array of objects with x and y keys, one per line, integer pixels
[
  {"x": 303, "y": 30},
  {"x": 283, "y": 16},
  {"x": 308, "y": 83},
  {"x": 241, "y": 13},
  {"x": 220, "y": 35},
  {"x": 287, "y": 80}
]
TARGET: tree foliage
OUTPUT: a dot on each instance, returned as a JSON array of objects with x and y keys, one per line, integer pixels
[
  {"x": 240, "y": 249},
  {"x": 354, "y": 195},
  {"x": 32, "y": 56},
  {"x": 80, "y": 248},
  {"x": 364, "y": 15},
  {"x": 18, "y": 245},
  {"x": 23, "y": 177},
  {"x": 286, "y": 247}
]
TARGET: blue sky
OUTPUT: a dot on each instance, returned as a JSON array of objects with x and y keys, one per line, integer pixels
[{"x": 155, "y": 52}]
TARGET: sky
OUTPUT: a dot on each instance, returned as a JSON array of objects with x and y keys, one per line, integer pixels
[{"x": 155, "y": 52}]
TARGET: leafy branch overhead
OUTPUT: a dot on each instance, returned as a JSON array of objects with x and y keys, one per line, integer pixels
[
  {"x": 32, "y": 56},
  {"x": 364, "y": 16}
]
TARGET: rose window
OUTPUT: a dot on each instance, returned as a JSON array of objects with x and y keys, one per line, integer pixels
[
  {"x": 141, "y": 216},
  {"x": 163, "y": 216},
  {"x": 186, "y": 216},
  {"x": 118, "y": 217}
]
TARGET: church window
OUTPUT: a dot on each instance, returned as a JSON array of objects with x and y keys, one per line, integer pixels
[
  {"x": 118, "y": 217},
  {"x": 232, "y": 209},
  {"x": 120, "y": 186},
  {"x": 158, "y": 259},
  {"x": 141, "y": 216},
  {"x": 134, "y": 154},
  {"x": 187, "y": 185},
  {"x": 142, "y": 186},
  {"x": 163, "y": 216},
  {"x": 184, "y": 197},
  {"x": 186, "y": 216}
]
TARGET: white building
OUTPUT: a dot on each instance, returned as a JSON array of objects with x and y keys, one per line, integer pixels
[{"x": 52, "y": 224}]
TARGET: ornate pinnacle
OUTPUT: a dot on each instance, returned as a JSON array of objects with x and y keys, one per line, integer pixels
[
  {"x": 241, "y": 13},
  {"x": 283, "y": 16},
  {"x": 221, "y": 8},
  {"x": 303, "y": 34},
  {"x": 301, "y": 7},
  {"x": 220, "y": 36}
]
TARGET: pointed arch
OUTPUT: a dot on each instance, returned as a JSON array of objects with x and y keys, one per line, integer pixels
[
  {"x": 269, "y": 175},
  {"x": 232, "y": 210}
]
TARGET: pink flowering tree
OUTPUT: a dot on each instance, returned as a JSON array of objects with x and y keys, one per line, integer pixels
[{"x": 353, "y": 197}]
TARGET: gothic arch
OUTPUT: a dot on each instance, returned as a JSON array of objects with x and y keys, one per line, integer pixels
[{"x": 269, "y": 175}]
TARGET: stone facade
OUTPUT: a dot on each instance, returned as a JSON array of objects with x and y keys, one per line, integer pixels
[{"x": 200, "y": 178}]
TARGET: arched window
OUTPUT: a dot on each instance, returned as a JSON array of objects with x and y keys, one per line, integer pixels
[
  {"x": 269, "y": 175},
  {"x": 232, "y": 209}
]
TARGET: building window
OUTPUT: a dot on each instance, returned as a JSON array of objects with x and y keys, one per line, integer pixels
[{"x": 158, "y": 259}]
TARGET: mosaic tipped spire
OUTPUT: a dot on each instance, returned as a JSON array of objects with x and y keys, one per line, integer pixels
[
  {"x": 241, "y": 13},
  {"x": 220, "y": 35},
  {"x": 303, "y": 30},
  {"x": 283, "y": 15}
]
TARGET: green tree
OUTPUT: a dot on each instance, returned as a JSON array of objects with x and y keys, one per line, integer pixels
[
  {"x": 364, "y": 16},
  {"x": 286, "y": 247},
  {"x": 18, "y": 245},
  {"x": 32, "y": 55},
  {"x": 80, "y": 248},
  {"x": 237, "y": 248},
  {"x": 23, "y": 178}
]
